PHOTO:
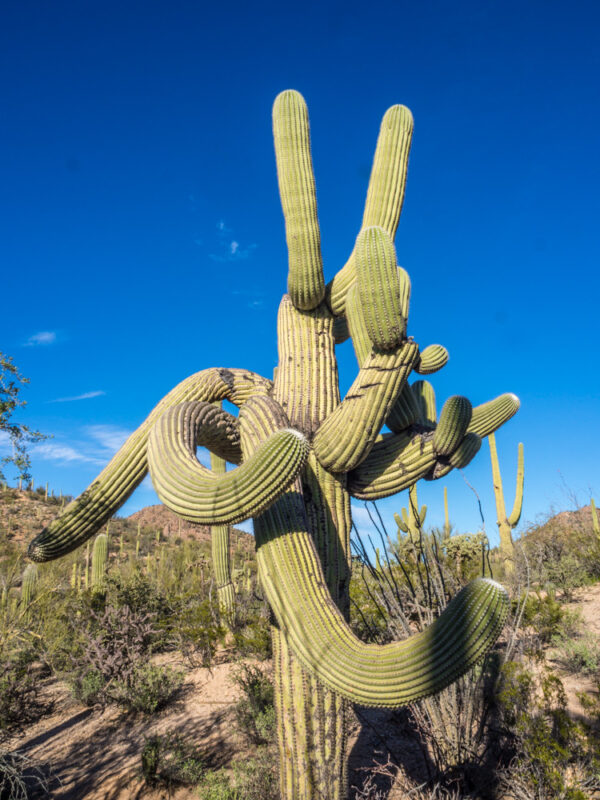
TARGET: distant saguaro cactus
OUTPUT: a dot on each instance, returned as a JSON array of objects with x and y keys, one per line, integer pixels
[
  {"x": 413, "y": 519},
  {"x": 99, "y": 559},
  {"x": 595, "y": 524},
  {"x": 303, "y": 452},
  {"x": 506, "y": 524}
]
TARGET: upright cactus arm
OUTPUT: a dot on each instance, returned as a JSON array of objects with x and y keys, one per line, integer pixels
[
  {"x": 306, "y": 284},
  {"x": 195, "y": 493},
  {"x": 385, "y": 194},
  {"x": 292, "y": 577},
  {"x": 595, "y": 524},
  {"x": 515, "y": 514},
  {"x": 85, "y": 515}
]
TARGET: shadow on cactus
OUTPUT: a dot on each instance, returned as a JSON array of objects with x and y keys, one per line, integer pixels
[{"x": 301, "y": 452}]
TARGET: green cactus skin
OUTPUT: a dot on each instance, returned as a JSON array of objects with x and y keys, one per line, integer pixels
[
  {"x": 302, "y": 453},
  {"x": 595, "y": 523},
  {"x": 424, "y": 395},
  {"x": 99, "y": 559},
  {"x": 507, "y": 523},
  {"x": 28, "y": 585},
  {"x": 432, "y": 359}
]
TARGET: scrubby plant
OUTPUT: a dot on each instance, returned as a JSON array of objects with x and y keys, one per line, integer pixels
[
  {"x": 303, "y": 452},
  {"x": 169, "y": 759},
  {"x": 254, "y": 712}
]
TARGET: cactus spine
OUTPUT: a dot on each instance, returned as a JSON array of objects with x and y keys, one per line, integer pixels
[
  {"x": 303, "y": 452},
  {"x": 507, "y": 523},
  {"x": 99, "y": 559}
]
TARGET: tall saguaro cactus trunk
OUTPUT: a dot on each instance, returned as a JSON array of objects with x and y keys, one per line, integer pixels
[
  {"x": 506, "y": 523},
  {"x": 302, "y": 452}
]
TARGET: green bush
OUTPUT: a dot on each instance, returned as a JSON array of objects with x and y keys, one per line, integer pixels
[
  {"x": 169, "y": 759},
  {"x": 252, "y": 779},
  {"x": 19, "y": 693},
  {"x": 548, "y": 618},
  {"x": 88, "y": 687},
  {"x": 197, "y": 630},
  {"x": 580, "y": 655},
  {"x": 255, "y": 713},
  {"x": 150, "y": 688}
]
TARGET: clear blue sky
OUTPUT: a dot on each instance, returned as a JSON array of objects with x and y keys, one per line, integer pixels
[{"x": 142, "y": 237}]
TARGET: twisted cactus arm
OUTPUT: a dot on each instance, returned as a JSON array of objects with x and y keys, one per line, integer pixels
[
  {"x": 196, "y": 494},
  {"x": 84, "y": 516},
  {"x": 292, "y": 577}
]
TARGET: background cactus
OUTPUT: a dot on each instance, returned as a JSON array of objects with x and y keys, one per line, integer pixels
[
  {"x": 28, "y": 585},
  {"x": 302, "y": 452},
  {"x": 99, "y": 559},
  {"x": 595, "y": 523},
  {"x": 507, "y": 523},
  {"x": 411, "y": 521}
]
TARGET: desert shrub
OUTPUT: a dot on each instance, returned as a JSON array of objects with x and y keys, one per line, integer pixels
[
  {"x": 579, "y": 655},
  {"x": 87, "y": 686},
  {"x": 20, "y": 776},
  {"x": 547, "y": 618},
  {"x": 255, "y": 713},
  {"x": 197, "y": 629},
  {"x": 139, "y": 592},
  {"x": 169, "y": 759},
  {"x": 252, "y": 628},
  {"x": 254, "y": 778},
  {"x": 149, "y": 688},
  {"x": 19, "y": 699},
  {"x": 552, "y": 756}
]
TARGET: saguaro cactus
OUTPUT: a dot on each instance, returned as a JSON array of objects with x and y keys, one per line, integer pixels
[
  {"x": 413, "y": 519},
  {"x": 28, "y": 585},
  {"x": 507, "y": 523},
  {"x": 595, "y": 524},
  {"x": 220, "y": 535},
  {"x": 99, "y": 559},
  {"x": 303, "y": 452}
]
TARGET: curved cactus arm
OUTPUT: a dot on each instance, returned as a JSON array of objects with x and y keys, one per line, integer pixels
[
  {"x": 488, "y": 417},
  {"x": 453, "y": 425},
  {"x": 396, "y": 461},
  {"x": 341, "y": 331},
  {"x": 218, "y": 431},
  {"x": 198, "y": 495},
  {"x": 385, "y": 194},
  {"x": 432, "y": 359},
  {"x": 306, "y": 284},
  {"x": 405, "y": 411},
  {"x": 390, "y": 675},
  {"x": 347, "y": 435},
  {"x": 515, "y": 514},
  {"x": 84, "y": 516}
]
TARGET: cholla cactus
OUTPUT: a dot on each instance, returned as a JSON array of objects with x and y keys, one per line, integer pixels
[
  {"x": 507, "y": 523},
  {"x": 303, "y": 452}
]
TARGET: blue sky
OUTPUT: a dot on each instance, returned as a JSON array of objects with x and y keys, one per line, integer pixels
[{"x": 142, "y": 236}]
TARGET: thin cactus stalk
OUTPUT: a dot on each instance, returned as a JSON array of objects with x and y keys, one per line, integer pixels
[
  {"x": 447, "y": 527},
  {"x": 74, "y": 581},
  {"x": 28, "y": 585},
  {"x": 506, "y": 524},
  {"x": 86, "y": 579},
  {"x": 137, "y": 540},
  {"x": 99, "y": 559},
  {"x": 46, "y": 493},
  {"x": 595, "y": 523},
  {"x": 301, "y": 454}
]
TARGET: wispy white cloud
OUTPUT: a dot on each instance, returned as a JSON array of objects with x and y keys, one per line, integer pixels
[
  {"x": 229, "y": 248},
  {"x": 41, "y": 338},
  {"x": 64, "y": 453},
  {"x": 84, "y": 396},
  {"x": 109, "y": 437}
]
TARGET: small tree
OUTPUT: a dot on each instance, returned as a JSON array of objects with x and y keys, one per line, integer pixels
[{"x": 11, "y": 383}]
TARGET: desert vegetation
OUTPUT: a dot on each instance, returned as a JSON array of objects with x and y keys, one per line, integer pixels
[{"x": 523, "y": 723}]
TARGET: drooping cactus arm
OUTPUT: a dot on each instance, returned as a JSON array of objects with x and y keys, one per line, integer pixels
[
  {"x": 306, "y": 284},
  {"x": 195, "y": 493},
  {"x": 391, "y": 675},
  {"x": 399, "y": 460},
  {"x": 218, "y": 431},
  {"x": 219, "y": 540},
  {"x": 489, "y": 416},
  {"x": 385, "y": 194},
  {"x": 347, "y": 435},
  {"x": 84, "y": 516}
]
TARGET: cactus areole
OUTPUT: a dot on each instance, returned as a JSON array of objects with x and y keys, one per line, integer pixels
[{"x": 302, "y": 452}]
